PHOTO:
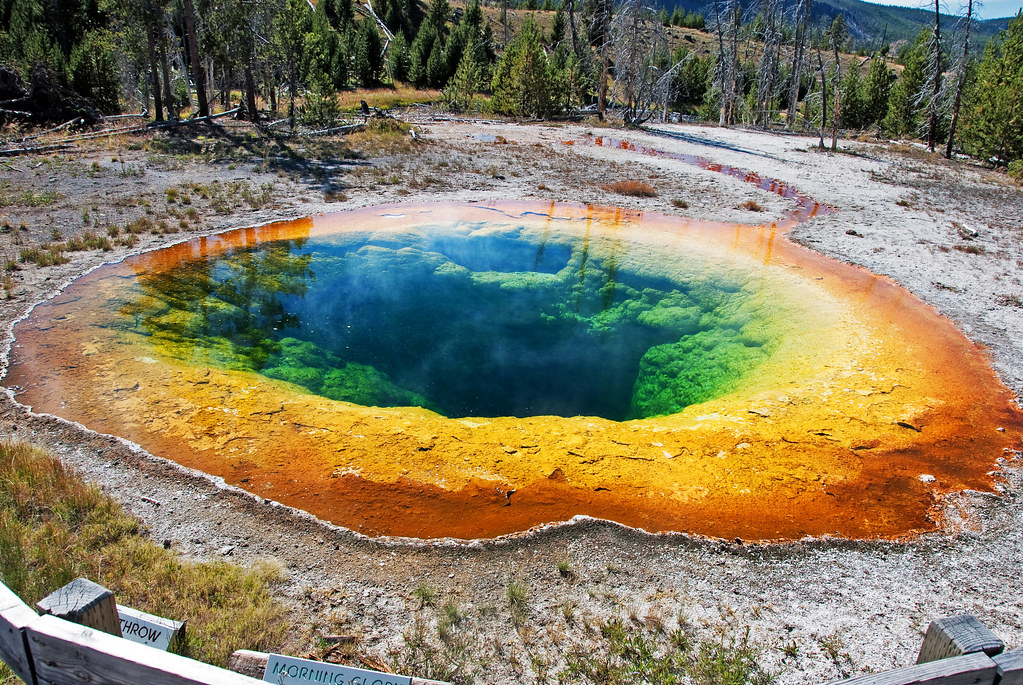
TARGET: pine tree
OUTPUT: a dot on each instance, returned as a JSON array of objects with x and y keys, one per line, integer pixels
[
  {"x": 876, "y": 89},
  {"x": 398, "y": 62},
  {"x": 852, "y": 113},
  {"x": 466, "y": 82},
  {"x": 904, "y": 116},
  {"x": 368, "y": 58},
  {"x": 525, "y": 84},
  {"x": 559, "y": 28},
  {"x": 338, "y": 12},
  {"x": 436, "y": 65},
  {"x": 93, "y": 71},
  {"x": 419, "y": 53},
  {"x": 437, "y": 14},
  {"x": 993, "y": 121}
]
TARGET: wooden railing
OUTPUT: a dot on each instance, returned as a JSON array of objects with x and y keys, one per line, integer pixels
[{"x": 46, "y": 650}]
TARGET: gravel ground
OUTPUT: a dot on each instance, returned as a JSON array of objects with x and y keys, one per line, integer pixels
[{"x": 819, "y": 609}]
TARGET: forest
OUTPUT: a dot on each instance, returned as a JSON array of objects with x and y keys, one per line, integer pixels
[{"x": 768, "y": 67}]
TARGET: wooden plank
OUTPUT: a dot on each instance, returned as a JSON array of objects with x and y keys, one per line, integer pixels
[
  {"x": 969, "y": 669},
  {"x": 66, "y": 653},
  {"x": 14, "y": 616},
  {"x": 249, "y": 662},
  {"x": 957, "y": 635},
  {"x": 1010, "y": 667},
  {"x": 85, "y": 602}
]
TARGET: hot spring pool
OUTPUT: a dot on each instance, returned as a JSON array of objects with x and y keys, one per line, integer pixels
[{"x": 474, "y": 370}]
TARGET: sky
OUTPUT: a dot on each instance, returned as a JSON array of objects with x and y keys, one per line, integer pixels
[{"x": 989, "y": 9}]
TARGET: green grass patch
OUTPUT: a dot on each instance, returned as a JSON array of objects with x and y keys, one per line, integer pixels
[
  {"x": 628, "y": 653},
  {"x": 25, "y": 198},
  {"x": 50, "y": 254},
  {"x": 54, "y": 528}
]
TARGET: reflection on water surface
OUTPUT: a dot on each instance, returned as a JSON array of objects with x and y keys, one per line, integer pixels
[{"x": 473, "y": 370}]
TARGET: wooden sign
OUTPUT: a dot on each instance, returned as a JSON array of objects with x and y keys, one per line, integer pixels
[
  {"x": 147, "y": 629},
  {"x": 286, "y": 670}
]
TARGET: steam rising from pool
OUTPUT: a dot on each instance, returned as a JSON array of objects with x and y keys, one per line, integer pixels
[{"x": 479, "y": 318}]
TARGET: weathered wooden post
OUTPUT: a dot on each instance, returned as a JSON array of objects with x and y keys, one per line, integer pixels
[
  {"x": 15, "y": 615},
  {"x": 955, "y": 636},
  {"x": 86, "y": 603}
]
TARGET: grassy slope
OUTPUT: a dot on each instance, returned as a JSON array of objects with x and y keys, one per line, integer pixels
[{"x": 55, "y": 528}]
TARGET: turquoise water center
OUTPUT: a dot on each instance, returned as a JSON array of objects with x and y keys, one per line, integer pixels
[{"x": 507, "y": 315}]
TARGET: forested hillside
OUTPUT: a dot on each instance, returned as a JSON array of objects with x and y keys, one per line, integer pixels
[{"x": 772, "y": 66}]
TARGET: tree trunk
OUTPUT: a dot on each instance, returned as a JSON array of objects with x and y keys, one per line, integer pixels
[
  {"x": 824, "y": 96},
  {"x": 733, "y": 67},
  {"x": 154, "y": 73},
  {"x": 959, "y": 83},
  {"x": 932, "y": 122},
  {"x": 602, "y": 87},
  {"x": 198, "y": 69},
  {"x": 250, "y": 91},
  {"x": 571, "y": 23},
  {"x": 720, "y": 29},
  {"x": 797, "y": 63},
  {"x": 838, "y": 89},
  {"x": 168, "y": 95}
]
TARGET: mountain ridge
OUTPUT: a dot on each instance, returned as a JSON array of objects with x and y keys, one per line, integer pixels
[{"x": 869, "y": 25}]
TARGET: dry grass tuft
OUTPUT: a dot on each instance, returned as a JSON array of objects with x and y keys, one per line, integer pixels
[
  {"x": 54, "y": 528},
  {"x": 631, "y": 188},
  {"x": 750, "y": 205}
]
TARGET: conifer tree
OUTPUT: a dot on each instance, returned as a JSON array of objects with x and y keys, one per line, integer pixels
[
  {"x": 436, "y": 65},
  {"x": 993, "y": 121},
  {"x": 398, "y": 62},
  {"x": 525, "y": 84},
  {"x": 877, "y": 87},
  {"x": 853, "y": 110},
  {"x": 904, "y": 116},
  {"x": 466, "y": 82},
  {"x": 368, "y": 57},
  {"x": 419, "y": 53}
]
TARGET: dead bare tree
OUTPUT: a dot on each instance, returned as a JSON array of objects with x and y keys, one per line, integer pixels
[
  {"x": 571, "y": 24},
  {"x": 933, "y": 101},
  {"x": 728, "y": 21},
  {"x": 837, "y": 36},
  {"x": 769, "y": 59},
  {"x": 601, "y": 13},
  {"x": 799, "y": 43},
  {"x": 639, "y": 49},
  {"x": 198, "y": 70},
  {"x": 960, "y": 80},
  {"x": 824, "y": 95}
]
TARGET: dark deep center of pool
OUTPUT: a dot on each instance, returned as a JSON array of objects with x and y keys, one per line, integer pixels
[{"x": 466, "y": 321}]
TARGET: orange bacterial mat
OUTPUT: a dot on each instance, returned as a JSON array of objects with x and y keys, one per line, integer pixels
[{"x": 863, "y": 411}]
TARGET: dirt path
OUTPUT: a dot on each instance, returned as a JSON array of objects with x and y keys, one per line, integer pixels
[{"x": 822, "y": 609}]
